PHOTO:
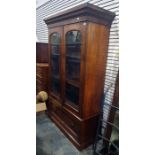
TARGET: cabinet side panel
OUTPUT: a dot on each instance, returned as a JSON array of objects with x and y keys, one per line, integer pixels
[{"x": 96, "y": 55}]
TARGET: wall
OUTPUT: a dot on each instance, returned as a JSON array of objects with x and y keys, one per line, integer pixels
[{"x": 55, "y": 6}]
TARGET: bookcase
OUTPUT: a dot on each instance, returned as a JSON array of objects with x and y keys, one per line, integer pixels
[{"x": 78, "y": 45}]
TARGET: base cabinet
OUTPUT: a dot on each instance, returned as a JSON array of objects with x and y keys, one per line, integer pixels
[
  {"x": 81, "y": 132},
  {"x": 78, "y": 44}
]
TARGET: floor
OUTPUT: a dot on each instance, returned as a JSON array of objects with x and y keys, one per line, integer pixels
[{"x": 51, "y": 141}]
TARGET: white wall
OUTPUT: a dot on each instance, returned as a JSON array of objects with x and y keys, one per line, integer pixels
[{"x": 40, "y": 2}]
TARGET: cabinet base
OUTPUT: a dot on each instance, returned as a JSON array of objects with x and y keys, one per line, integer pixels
[{"x": 86, "y": 135}]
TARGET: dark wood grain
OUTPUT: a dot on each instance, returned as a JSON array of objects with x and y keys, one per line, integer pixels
[
  {"x": 95, "y": 65},
  {"x": 41, "y": 52},
  {"x": 86, "y": 12},
  {"x": 79, "y": 123}
]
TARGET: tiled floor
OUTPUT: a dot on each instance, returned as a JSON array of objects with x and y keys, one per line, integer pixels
[{"x": 51, "y": 141}]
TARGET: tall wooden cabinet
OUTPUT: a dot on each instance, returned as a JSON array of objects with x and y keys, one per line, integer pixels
[{"x": 78, "y": 44}]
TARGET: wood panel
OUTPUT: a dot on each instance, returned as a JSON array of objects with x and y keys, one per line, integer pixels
[
  {"x": 42, "y": 52},
  {"x": 96, "y": 54},
  {"x": 80, "y": 124}
]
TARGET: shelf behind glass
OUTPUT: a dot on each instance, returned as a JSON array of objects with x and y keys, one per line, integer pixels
[
  {"x": 55, "y": 86},
  {"x": 72, "y": 94},
  {"x": 73, "y": 69},
  {"x": 75, "y": 83},
  {"x": 73, "y": 50},
  {"x": 55, "y": 65},
  {"x": 73, "y": 57},
  {"x": 55, "y": 49},
  {"x": 73, "y": 37}
]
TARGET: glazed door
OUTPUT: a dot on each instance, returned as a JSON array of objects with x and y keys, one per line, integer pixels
[
  {"x": 74, "y": 47},
  {"x": 55, "y": 52}
]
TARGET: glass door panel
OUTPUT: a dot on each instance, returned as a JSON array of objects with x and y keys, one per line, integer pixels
[
  {"x": 73, "y": 69},
  {"x": 73, "y": 50},
  {"x": 55, "y": 48},
  {"x": 72, "y": 94},
  {"x": 55, "y": 85},
  {"x": 55, "y": 63}
]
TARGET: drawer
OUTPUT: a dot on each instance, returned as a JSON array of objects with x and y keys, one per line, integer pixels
[{"x": 67, "y": 120}]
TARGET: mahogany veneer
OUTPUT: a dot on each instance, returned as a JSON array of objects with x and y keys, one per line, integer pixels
[
  {"x": 74, "y": 95},
  {"x": 41, "y": 52}
]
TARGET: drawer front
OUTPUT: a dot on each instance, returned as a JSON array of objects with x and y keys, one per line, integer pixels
[{"x": 67, "y": 120}]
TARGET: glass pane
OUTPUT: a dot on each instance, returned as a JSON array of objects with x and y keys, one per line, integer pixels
[
  {"x": 73, "y": 37},
  {"x": 55, "y": 56},
  {"x": 55, "y": 38},
  {"x": 55, "y": 65},
  {"x": 73, "y": 50},
  {"x": 72, "y": 94},
  {"x": 55, "y": 86},
  {"x": 55, "y": 49},
  {"x": 73, "y": 69}
]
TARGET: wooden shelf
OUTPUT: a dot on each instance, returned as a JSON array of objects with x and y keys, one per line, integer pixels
[
  {"x": 73, "y": 82},
  {"x": 55, "y": 96},
  {"x": 55, "y": 44},
  {"x": 69, "y": 44},
  {"x": 72, "y": 105},
  {"x": 74, "y": 61},
  {"x": 42, "y": 64},
  {"x": 56, "y": 77},
  {"x": 55, "y": 55},
  {"x": 73, "y": 57}
]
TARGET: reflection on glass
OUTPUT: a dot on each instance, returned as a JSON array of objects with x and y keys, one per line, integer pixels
[
  {"x": 73, "y": 49},
  {"x": 55, "y": 56},
  {"x": 55, "y": 38},
  {"x": 55, "y": 86},
  {"x": 55, "y": 65},
  {"x": 73, "y": 37},
  {"x": 72, "y": 94},
  {"x": 55, "y": 49},
  {"x": 73, "y": 69}
]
